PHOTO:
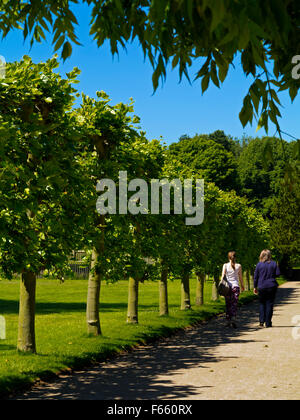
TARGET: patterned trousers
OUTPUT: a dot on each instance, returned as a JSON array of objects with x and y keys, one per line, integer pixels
[{"x": 232, "y": 303}]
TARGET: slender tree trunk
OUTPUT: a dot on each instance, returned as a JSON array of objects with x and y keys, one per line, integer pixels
[
  {"x": 247, "y": 283},
  {"x": 26, "y": 330},
  {"x": 92, "y": 308},
  {"x": 200, "y": 289},
  {"x": 163, "y": 293},
  {"x": 185, "y": 292},
  {"x": 94, "y": 285},
  {"x": 251, "y": 280},
  {"x": 94, "y": 282},
  {"x": 133, "y": 300},
  {"x": 215, "y": 294}
]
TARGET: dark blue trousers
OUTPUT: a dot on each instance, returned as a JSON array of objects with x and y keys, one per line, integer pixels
[{"x": 266, "y": 304}]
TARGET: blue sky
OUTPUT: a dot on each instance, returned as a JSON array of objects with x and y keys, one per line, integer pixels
[{"x": 175, "y": 109}]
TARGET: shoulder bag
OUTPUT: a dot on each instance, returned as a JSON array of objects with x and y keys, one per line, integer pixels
[{"x": 224, "y": 287}]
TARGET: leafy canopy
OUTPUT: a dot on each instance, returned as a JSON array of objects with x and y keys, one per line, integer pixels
[
  {"x": 261, "y": 167},
  {"x": 180, "y": 33},
  {"x": 208, "y": 157},
  {"x": 41, "y": 184}
]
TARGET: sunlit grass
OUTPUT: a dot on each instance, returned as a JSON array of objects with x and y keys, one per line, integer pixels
[{"x": 62, "y": 341}]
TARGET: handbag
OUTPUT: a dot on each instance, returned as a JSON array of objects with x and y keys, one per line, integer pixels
[{"x": 224, "y": 287}]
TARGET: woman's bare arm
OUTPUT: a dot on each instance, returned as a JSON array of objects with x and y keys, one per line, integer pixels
[{"x": 223, "y": 271}]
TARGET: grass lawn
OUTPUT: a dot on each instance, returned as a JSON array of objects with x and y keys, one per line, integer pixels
[{"x": 61, "y": 336}]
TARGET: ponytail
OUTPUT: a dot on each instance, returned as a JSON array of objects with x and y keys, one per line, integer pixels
[{"x": 232, "y": 258}]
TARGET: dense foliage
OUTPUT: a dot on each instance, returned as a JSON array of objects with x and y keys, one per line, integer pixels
[
  {"x": 253, "y": 167},
  {"x": 208, "y": 157},
  {"x": 285, "y": 227},
  {"x": 261, "y": 168},
  {"x": 41, "y": 183}
]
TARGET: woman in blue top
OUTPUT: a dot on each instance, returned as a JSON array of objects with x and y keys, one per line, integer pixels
[{"x": 265, "y": 285}]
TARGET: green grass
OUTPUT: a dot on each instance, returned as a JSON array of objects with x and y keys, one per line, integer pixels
[{"x": 62, "y": 341}]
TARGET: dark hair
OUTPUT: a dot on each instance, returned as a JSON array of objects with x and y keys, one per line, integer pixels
[{"x": 232, "y": 258}]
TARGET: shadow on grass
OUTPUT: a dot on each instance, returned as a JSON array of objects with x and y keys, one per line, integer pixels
[
  {"x": 12, "y": 307},
  {"x": 4, "y": 347}
]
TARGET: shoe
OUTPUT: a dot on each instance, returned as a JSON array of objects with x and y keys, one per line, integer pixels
[
  {"x": 269, "y": 326},
  {"x": 261, "y": 324}
]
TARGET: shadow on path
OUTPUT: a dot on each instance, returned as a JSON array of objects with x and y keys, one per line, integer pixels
[{"x": 137, "y": 375}]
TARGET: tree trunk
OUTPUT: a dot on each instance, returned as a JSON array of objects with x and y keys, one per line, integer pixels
[
  {"x": 94, "y": 283},
  {"x": 200, "y": 289},
  {"x": 92, "y": 308},
  {"x": 26, "y": 330},
  {"x": 133, "y": 300},
  {"x": 251, "y": 280},
  {"x": 163, "y": 293},
  {"x": 185, "y": 292},
  {"x": 215, "y": 294},
  {"x": 247, "y": 283}
]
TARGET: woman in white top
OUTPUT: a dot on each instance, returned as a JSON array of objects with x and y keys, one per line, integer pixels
[{"x": 233, "y": 272}]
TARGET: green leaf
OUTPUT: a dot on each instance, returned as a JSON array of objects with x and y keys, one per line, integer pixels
[
  {"x": 59, "y": 43},
  {"x": 67, "y": 50},
  {"x": 213, "y": 74},
  {"x": 223, "y": 71},
  {"x": 205, "y": 82},
  {"x": 246, "y": 114}
]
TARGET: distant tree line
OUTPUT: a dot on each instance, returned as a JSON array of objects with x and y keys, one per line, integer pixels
[{"x": 264, "y": 170}]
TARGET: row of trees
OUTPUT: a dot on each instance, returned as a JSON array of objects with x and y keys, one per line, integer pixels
[
  {"x": 52, "y": 156},
  {"x": 264, "y": 170}
]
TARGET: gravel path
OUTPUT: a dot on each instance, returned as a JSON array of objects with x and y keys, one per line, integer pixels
[{"x": 206, "y": 362}]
